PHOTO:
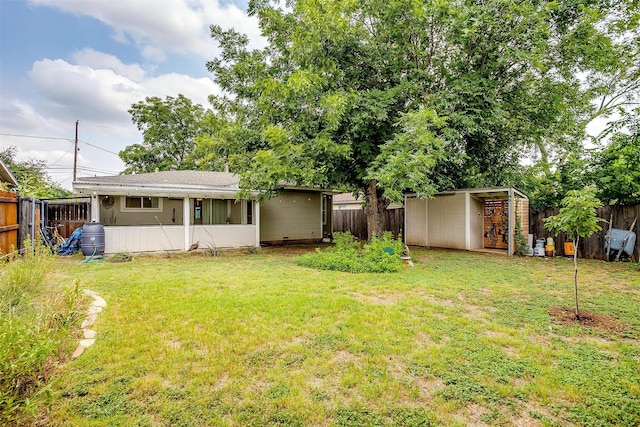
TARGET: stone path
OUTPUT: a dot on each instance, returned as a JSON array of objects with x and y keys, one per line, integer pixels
[{"x": 95, "y": 308}]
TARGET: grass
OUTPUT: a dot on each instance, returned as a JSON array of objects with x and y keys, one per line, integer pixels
[{"x": 458, "y": 339}]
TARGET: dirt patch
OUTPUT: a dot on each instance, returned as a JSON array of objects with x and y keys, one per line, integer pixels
[
  {"x": 567, "y": 317},
  {"x": 429, "y": 386}
]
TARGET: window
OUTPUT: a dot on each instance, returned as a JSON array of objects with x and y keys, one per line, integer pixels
[
  {"x": 213, "y": 212},
  {"x": 249, "y": 212},
  {"x": 150, "y": 204}
]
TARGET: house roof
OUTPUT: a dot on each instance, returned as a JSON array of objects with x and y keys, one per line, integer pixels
[
  {"x": 176, "y": 183},
  {"x": 174, "y": 177},
  {"x": 6, "y": 174}
]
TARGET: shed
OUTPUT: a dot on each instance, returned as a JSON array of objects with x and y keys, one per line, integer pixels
[{"x": 470, "y": 219}]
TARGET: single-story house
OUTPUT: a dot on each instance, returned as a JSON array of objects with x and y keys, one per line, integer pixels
[
  {"x": 469, "y": 219},
  {"x": 173, "y": 210}
]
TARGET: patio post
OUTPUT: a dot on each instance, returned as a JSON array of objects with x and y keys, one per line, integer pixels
[
  {"x": 186, "y": 215},
  {"x": 95, "y": 207},
  {"x": 256, "y": 215}
]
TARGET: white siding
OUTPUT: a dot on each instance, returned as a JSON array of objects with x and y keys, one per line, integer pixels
[
  {"x": 171, "y": 238},
  {"x": 446, "y": 221},
  {"x": 416, "y": 221},
  {"x": 476, "y": 224}
]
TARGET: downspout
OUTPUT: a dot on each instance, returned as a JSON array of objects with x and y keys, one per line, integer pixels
[{"x": 186, "y": 215}]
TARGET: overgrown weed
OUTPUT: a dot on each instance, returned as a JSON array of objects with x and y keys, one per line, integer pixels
[
  {"x": 35, "y": 320},
  {"x": 381, "y": 255}
]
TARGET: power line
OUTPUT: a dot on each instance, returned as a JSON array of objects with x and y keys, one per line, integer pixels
[
  {"x": 99, "y": 148},
  {"x": 58, "y": 139},
  {"x": 36, "y": 137}
]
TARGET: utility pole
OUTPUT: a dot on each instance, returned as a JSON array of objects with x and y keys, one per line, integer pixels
[{"x": 75, "y": 155}]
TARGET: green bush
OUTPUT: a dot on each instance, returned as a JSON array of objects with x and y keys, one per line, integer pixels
[
  {"x": 381, "y": 255},
  {"x": 35, "y": 318}
]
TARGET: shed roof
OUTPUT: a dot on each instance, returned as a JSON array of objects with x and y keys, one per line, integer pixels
[{"x": 486, "y": 193}]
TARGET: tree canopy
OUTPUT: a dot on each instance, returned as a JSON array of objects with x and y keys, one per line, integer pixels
[
  {"x": 383, "y": 96},
  {"x": 31, "y": 175},
  {"x": 169, "y": 128}
]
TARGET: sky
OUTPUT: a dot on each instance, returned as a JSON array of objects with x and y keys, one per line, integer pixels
[{"x": 63, "y": 61}]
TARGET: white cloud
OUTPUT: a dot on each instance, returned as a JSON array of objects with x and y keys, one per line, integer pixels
[
  {"x": 94, "y": 59},
  {"x": 103, "y": 95},
  {"x": 159, "y": 28}
]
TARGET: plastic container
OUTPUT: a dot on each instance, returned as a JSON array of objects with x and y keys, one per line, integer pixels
[
  {"x": 92, "y": 242},
  {"x": 616, "y": 237},
  {"x": 569, "y": 249}
]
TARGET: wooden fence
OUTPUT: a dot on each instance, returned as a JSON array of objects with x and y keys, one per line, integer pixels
[
  {"x": 355, "y": 221},
  {"x": 592, "y": 247},
  {"x": 8, "y": 222},
  {"x": 67, "y": 215},
  {"x": 30, "y": 219}
]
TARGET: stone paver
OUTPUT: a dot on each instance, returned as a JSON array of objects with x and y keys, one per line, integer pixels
[{"x": 94, "y": 309}]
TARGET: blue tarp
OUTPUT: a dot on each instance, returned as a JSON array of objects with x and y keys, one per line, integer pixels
[{"x": 73, "y": 243}]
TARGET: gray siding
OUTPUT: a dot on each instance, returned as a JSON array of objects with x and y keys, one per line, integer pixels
[
  {"x": 115, "y": 216},
  {"x": 294, "y": 215},
  {"x": 446, "y": 221}
]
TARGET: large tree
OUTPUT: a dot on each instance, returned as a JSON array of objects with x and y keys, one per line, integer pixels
[
  {"x": 169, "y": 128},
  {"x": 382, "y": 96}
]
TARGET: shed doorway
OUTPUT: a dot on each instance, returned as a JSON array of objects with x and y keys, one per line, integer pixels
[{"x": 496, "y": 224}]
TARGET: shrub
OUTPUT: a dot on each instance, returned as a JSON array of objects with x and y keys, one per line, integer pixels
[
  {"x": 381, "y": 255},
  {"x": 35, "y": 318}
]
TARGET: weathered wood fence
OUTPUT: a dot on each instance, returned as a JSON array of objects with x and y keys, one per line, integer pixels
[
  {"x": 30, "y": 218},
  {"x": 355, "y": 221},
  {"x": 8, "y": 222},
  {"x": 34, "y": 215},
  {"x": 67, "y": 215},
  {"x": 592, "y": 247}
]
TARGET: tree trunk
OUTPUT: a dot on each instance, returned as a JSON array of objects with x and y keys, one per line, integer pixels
[
  {"x": 575, "y": 273},
  {"x": 375, "y": 206}
]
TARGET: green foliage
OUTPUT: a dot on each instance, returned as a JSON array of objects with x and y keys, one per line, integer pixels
[
  {"x": 381, "y": 255},
  {"x": 577, "y": 215},
  {"x": 32, "y": 179},
  {"x": 34, "y": 324},
  {"x": 424, "y": 96},
  {"x": 613, "y": 168},
  {"x": 578, "y": 218},
  {"x": 616, "y": 168},
  {"x": 169, "y": 128},
  {"x": 409, "y": 159}
]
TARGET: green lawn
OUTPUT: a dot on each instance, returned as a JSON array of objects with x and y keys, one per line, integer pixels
[{"x": 458, "y": 339}]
